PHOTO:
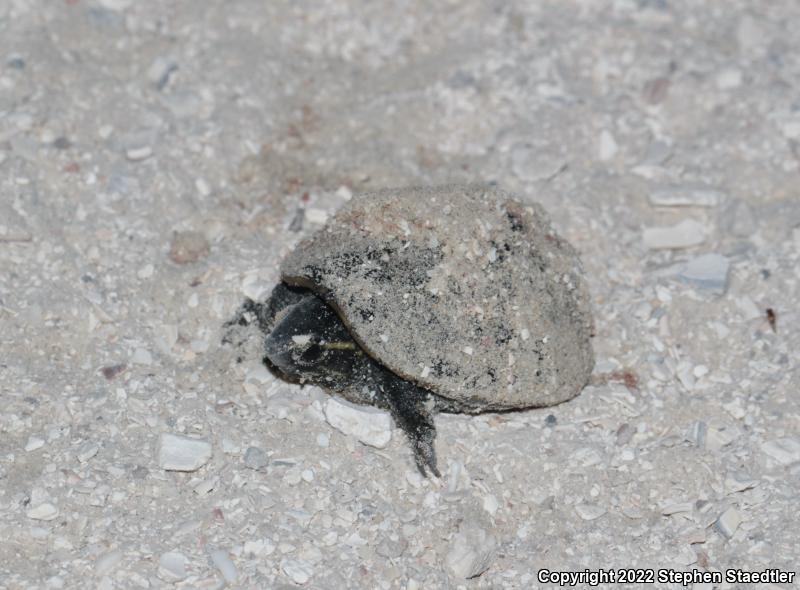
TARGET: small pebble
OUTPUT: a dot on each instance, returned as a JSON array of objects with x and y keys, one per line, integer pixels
[
  {"x": 138, "y": 154},
  {"x": 188, "y": 247},
  {"x": 728, "y": 522},
  {"x": 783, "y": 450},
  {"x": 607, "y": 146},
  {"x": 299, "y": 572},
  {"x": 255, "y": 458},
  {"x": 589, "y": 511},
  {"x": 34, "y": 442},
  {"x": 202, "y": 187},
  {"x": 369, "y": 425},
  {"x": 107, "y": 562},
  {"x": 685, "y": 234},
  {"x": 86, "y": 451},
  {"x": 259, "y": 548},
  {"x": 142, "y": 356},
  {"x": 146, "y": 271},
  {"x": 172, "y": 566},
  {"x": 225, "y": 566},
  {"x": 677, "y": 508},
  {"x": 791, "y": 129},
  {"x": 708, "y": 272},
  {"x": 685, "y": 196},
  {"x": 160, "y": 70},
  {"x": 318, "y": 216},
  {"x": 471, "y": 552},
  {"x": 180, "y": 453},
  {"x": 44, "y": 511},
  {"x": 729, "y": 78},
  {"x": 738, "y": 482}
]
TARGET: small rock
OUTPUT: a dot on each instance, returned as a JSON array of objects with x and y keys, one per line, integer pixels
[
  {"x": 188, "y": 247},
  {"x": 607, "y": 147},
  {"x": 344, "y": 193},
  {"x": 728, "y": 522},
  {"x": 146, "y": 271},
  {"x": 206, "y": 486},
  {"x": 589, "y": 511},
  {"x": 138, "y": 154},
  {"x": 708, "y": 272},
  {"x": 107, "y": 562},
  {"x": 490, "y": 504},
  {"x": 255, "y": 458},
  {"x": 259, "y": 548},
  {"x": 181, "y": 453},
  {"x": 160, "y": 71},
  {"x": 729, "y": 78},
  {"x": 369, "y": 425},
  {"x": 739, "y": 482},
  {"x": 172, "y": 566},
  {"x": 34, "y": 442},
  {"x": 142, "y": 356},
  {"x": 471, "y": 552},
  {"x": 783, "y": 450},
  {"x": 791, "y": 129},
  {"x": 226, "y": 567},
  {"x": 44, "y": 511},
  {"x": 719, "y": 436},
  {"x": 111, "y": 371},
  {"x": 116, "y": 5},
  {"x": 202, "y": 187},
  {"x": 87, "y": 450},
  {"x": 676, "y": 508},
  {"x": 685, "y": 196},
  {"x": 533, "y": 164},
  {"x": 318, "y": 216},
  {"x": 685, "y": 234},
  {"x": 300, "y": 572},
  {"x": 15, "y": 62}
]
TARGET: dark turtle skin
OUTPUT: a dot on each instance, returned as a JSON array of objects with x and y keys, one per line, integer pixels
[{"x": 307, "y": 342}]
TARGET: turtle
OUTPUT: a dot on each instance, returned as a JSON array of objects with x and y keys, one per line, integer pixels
[{"x": 420, "y": 300}]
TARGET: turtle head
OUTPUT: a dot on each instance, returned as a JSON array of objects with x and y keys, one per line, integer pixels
[{"x": 309, "y": 343}]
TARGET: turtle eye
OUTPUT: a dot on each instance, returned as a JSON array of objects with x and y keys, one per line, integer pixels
[{"x": 311, "y": 354}]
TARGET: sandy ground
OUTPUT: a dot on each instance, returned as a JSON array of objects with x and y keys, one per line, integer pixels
[{"x": 158, "y": 159}]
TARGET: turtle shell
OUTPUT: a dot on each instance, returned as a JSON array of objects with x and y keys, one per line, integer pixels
[{"x": 463, "y": 290}]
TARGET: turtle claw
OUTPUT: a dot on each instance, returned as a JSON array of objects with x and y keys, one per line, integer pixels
[{"x": 425, "y": 454}]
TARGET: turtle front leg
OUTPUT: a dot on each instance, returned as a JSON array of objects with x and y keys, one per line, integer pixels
[{"x": 413, "y": 410}]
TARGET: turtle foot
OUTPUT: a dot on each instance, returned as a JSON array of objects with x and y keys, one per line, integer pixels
[
  {"x": 424, "y": 451},
  {"x": 412, "y": 409}
]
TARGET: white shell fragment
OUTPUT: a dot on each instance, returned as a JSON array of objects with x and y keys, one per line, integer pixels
[
  {"x": 471, "y": 552},
  {"x": 172, "y": 566},
  {"x": 371, "y": 426},
  {"x": 685, "y": 196},
  {"x": 439, "y": 284},
  {"x": 685, "y": 234},
  {"x": 45, "y": 511},
  {"x": 708, "y": 272},
  {"x": 783, "y": 450},
  {"x": 589, "y": 511},
  {"x": 728, "y": 522},
  {"x": 299, "y": 572},
  {"x": 107, "y": 562},
  {"x": 225, "y": 566},
  {"x": 181, "y": 453}
]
